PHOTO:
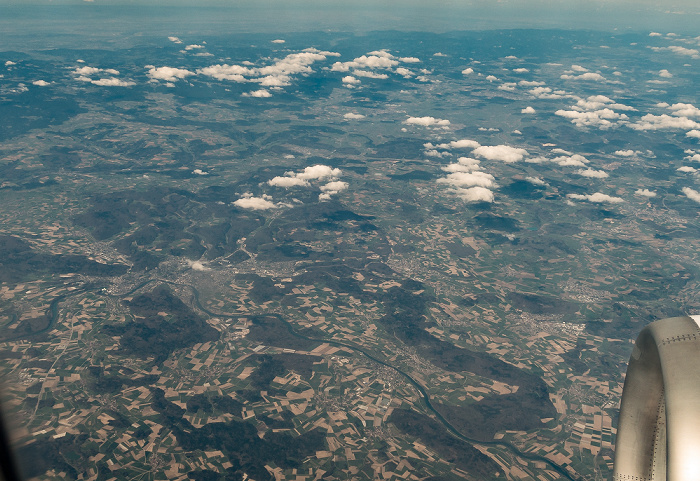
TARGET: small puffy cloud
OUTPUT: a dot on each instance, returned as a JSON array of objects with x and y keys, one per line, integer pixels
[
  {"x": 457, "y": 144},
  {"x": 655, "y": 34},
  {"x": 527, "y": 110},
  {"x": 691, "y": 194},
  {"x": 278, "y": 40},
  {"x": 369, "y": 74},
  {"x": 595, "y": 102},
  {"x": 41, "y": 83},
  {"x": 334, "y": 187},
  {"x": 174, "y": 39},
  {"x": 409, "y": 59},
  {"x": 585, "y": 76},
  {"x": 578, "y": 68},
  {"x": 197, "y": 265},
  {"x": 237, "y": 73},
  {"x": 597, "y": 198},
  {"x": 504, "y": 153},
  {"x": 330, "y": 189},
  {"x": 491, "y": 78},
  {"x": 695, "y": 134},
  {"x": 625, "y": 153},
  {"x": 645, "y": 193},
  {"x": 353, "y": 116},
  {"x": 319, "y": 172},
  {"x": 86, "y": 70},
  {"x": 509, "y": 86},
  {"x": 10, "y": 63},
  {"x": 169, "y": 74},
  {"x": 459, "y": 167},
  {"x": 439, "y": 54},
  {"x": 535, "y": 180},
  {"x": 112, "y": 82},
  {"x": 379, "y": 59},
  {"x": 530, "y": 83},
  {"x": 287, "y": 182},
  {"x": 595, "y": 174},
  {"x": 520, "y": 70},
  {"x": 598, "y": 118},
  {"x": 468, "y": 179},
  {"x": 262, "y": 93},
  {"x": 546, "y": 93},
  {"x": 474, "y": 194},
  {"x": 427, "y": 121},
  {"x": 665, "y": 73},
  {"x": 473, "y": 164},
  {"x": 575, "y": 160},
  {"x": 663, "y": 121},
  {"x": 199, "y": 172},
  {"x": 468, "y": 71},
  {"x": 435, "y": 153},
  {"x": 254, "y": 203},
  {"x": 403, "y": 71},
  {"x": 275, "y": 75},
  {"x": 687, "y": 52},
  {"x": 684, "y": 110},
  {"x": 350, "y": 80},
  {"x": 194, "y": 46},
  {"x": 687, "y": 168}
]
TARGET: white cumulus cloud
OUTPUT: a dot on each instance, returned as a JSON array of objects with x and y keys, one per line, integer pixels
[
  {"x": 112, "y": 82},
  {"x": 504, "y": 153},
  {"x": 645, "y": 193},
  {"x": 528, "y": 110},
  {"x": 597, "y": 198},
  {"x": 262, "y": 93},
  {"x": 287, "y": 182},
  {"x": 427, "y": 121},
  {"x": 691, "y": 194},
  {"x": 169, "y": 74},
  {"x": 585, "y": 76},
  {"x": 41, "y": 83},
  {"x": 664, "y": 121},
  {"x": 599, "y": 118},
  {"x": 255, "y": 203},
  {"x": 319, "y": 171},
  {"x": 535, "y": 180},
  {"x": 353, "y": 116},
  {"x": 468, "y": 179},
  {"x": 687, "y": 52},
  {"x": 684, "y": 110},
  {"x": 369, "y": 74},
  {"x": 334, "y": 187},
  {"x": 693, "y": 134},
  {"x": 468, "y": 71},
  {"x": 474, "y": 194},
  {"x": 596, "y": 174}
]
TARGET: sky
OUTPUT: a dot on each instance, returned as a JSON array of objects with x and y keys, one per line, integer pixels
[{"x": 681, "y": 16}]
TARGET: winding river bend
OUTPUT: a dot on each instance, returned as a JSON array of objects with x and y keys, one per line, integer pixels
[
  {"x": 54, "y": 313},
  {"x": 419, "y": 387}
]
